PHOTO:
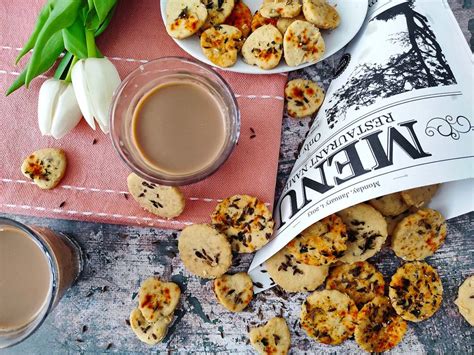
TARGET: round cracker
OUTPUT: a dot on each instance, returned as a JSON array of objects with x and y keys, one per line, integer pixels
[
  {"x": 322, "y": 243},
  {"x": 302, "y": 43},
  {"x": 157, "y": 299},
  {"x": 150, "y": 333},
  {"x": 46, "y": 167},
  {"x": 419, "y": 196},
  {"x": 419, "y": 235},
  {"x": 379, "y": 328},
  {"x": 360, "y": 281},
  {"x": 271, "y": 338},
  {"x": 329, "y": 316},
  {"x": 304, "y": 97},
  {"x": 264, "y": 47},
  {"x": 221, "y": 44},
  {"x": 321, "y": 14},
  {"x": 217, "y": 11},
  {"x": 416, "y": 291},
  {"x": 204, "y": 251},
  {"x": 184, "y": 17},
  {"x": 292, "y": 275},
  {"x": 281, "y": 8},
  {"x": 389, "y": 205},
  {"x": 240, "y": 17},
  {"x": 234, "y": 292},
  {"x": 366, "y": 232},
  {"x": 258, "y": 21},
  {"x": 245, "y": 220},
  {"x": 465, "y": 300}
]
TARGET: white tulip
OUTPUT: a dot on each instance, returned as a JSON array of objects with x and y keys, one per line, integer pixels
[
  {"x": 94, "y": 81},
  {"x": 58, "y": 111}
]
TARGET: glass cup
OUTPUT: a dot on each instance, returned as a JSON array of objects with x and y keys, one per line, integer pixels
[
  {"x": 64, "y": 262},
  {"x": 145, "y": 78}
]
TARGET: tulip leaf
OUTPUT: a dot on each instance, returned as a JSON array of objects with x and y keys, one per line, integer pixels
[
  {"x": 75, "y": 38},
  {"x": 98, "y": 13},
  {"x": 105, "y": 23},
  {"x": 63, "y": 65},
  {"x": 103, "y": 7}
]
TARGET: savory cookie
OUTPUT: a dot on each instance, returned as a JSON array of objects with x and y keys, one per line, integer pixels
[
  {"x": 329, "y": 316},
  {"x": 360, "y": 281},
  {"x": 157, "y": 299},
  {"x": 465, "y": 300},
  {"x": 419, "y": 235},
  {"x": 281, "y": 8},
  {"x": 163, "y": 201},
  {"x": 283, "y": 23},
  {"x": 245, "y": 220},
  {"x": 416, "y": 291},
  {"x": 302, "y": 43},
  {"x": 217, "y": 11},
  {"x": 292, "y": 275},
  {"x": 322, "y": 243},
  {"x": 204, "y": 251},
  {"x": 258, "y": 21},
  {"x": 234, "y": 292},
  {"x": 419, "y": 196},
  {"x": 320, "y": 13},
  {"x": 392, "y": 221},
  {"x": 366, "y": 232},
  {"x": 389, "y": 205},
  {"x": 46, "y": 167},
  {"x": 184, "y": 17},
  {"x": 221, "y": 44},
  {"x": 240, "y": 17},
  {"x": 150, "y": 333},
  {"x": 264, "y": 47},
  {"x": 304, "y": 97},
  {"x": 271, "y": 338},
  {"x": 379, "y": 328}
]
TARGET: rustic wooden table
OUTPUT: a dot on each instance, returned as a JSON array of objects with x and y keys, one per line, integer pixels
[{"x": 91, "y": 318}]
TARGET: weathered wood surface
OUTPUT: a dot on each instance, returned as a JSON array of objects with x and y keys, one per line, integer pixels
[{"x": 91, "y": 317}]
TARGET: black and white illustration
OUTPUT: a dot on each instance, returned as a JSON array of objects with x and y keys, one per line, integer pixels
[{"x": 412, "y": 59}]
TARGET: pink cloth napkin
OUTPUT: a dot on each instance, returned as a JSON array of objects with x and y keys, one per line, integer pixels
[{"x": 94, "y": 188}]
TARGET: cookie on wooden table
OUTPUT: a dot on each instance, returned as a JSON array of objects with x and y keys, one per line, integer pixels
[
  {"x": 389, "y": 205},
  {"x": 46, "y": 167},
  {"x": 361, "y": 281},
  {"x": 184, "y": 17},
  {"x": 292, "y": 275},
  {"x": 304, "y": 97},
  {"x": 217, "y": 11},
  {"x": 221, "y": 44},
  {"x": 366, "y": 232},
  {"x": 329, "y": 316},
  {"x": 258, "y": 21},
  {"x": 465, "y": 300},
  {"x": 235, "y": 291},
  {"x": 245, "y": 220},
  {"x": 302, "y": 43},
  {"x": 419, "y": 196},
  {"x": 150, "y": 333},
  {"x": 379, "y": 328},
  {"x": 419, "y": 235},
  {"x": 281, "y": 8},
  {"x": 322, "y": 243},
  {"x": 240, "y": 17},
  {"x": 321, "y": 14},
  {"x": 283, "y": 23},
  {"x": 416, "y": 291},
  {"x": 204, "y": 251},
  {"x": 157, "y": 299},
  {"x": 163, "y": 201},
  {"x": 271, "y": 338},
  {"x": 264, "y": 47}
]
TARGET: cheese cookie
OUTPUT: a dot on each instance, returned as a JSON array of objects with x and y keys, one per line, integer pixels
[
  {"x": 465, "y": 300},
  {"x": 150, "y": 333},
  {"x": 271, "y": 338},
  {"x": 184, "y": 17},
  {"x": 157, "y": 299},
  {"x": 281, "y": 8},
  {"x": 264, "y": 47},
  {"x": 419, "y": 196},
  {"x": 46, "y": 167},
  {"x": 389, "y": 205},
  {"x": 217, "y": 11},
  {"x": 221, "y": 44},
  {"x": 240, "y": 17},
  {"x": 320, "y": 13},
  {"x": 283, "y": 23},
  {"x": 234, "y": 292},
  {"x": 304, "y": 97},
  {"x": 258, "y": 21},
  {"x": 302, "y": 43}
]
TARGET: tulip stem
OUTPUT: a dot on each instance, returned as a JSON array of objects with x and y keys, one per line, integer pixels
[
  {"x": 69, "y": 72},
  {"x": 90, "y": 41}
]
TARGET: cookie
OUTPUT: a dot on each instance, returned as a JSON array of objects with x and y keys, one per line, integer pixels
[
  {"x": 264, "y": 47},
  {"x": 240, "y": 17},
  {"x": 184, "y": 17},
  {"x": 389, "y": 205},
  {"x": 366, "y": 232},
  {"x": 258, "y": 21},
  {"x": 163, "y": 201},
  {"x": 303, "y": 43},
  {"x": 150, "y": 333},
  {"x": 283, "y": 23},
  {"x": 292, "y": 275},
  {"x": 416, "y": 291},
  {"x": 157, "y": 299},
  {"x": 234, "y": 292},
  {"x": 379, "y": 328},
  {"x": 281, "y": 8},
  {"x": 245, "y": 220},
  {"x": 217, "y": 11},
  {"x": 321, "y": 14},
  {"x": 304, "y": 97},
  {"x": 221, "y": 44},
  {"x": 204, "y": 251},
  {"x": 419, "y": 196},
  {"x": 392, "y": 221},
  {"x": 46, "y": 167},
  {"x": 465, "y": 300},
  {"x": 322, "y": 243},
  {"x": 329, "y": 316},
  {"x": 419, "y": 235},
  {"x": 271, "y": 338}
]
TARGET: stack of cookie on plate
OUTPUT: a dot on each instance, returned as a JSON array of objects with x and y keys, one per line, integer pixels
[{"x": 288, "y": 28}]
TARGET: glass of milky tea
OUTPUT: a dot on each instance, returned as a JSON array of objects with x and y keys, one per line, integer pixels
[{"x": 37, "y": 266}]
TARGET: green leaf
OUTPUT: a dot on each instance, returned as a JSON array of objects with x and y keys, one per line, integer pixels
[
  {"x": 63, "y": 65},
  {"x": 103, "y": 8},
  {"x": 98, "y": 13},
  {"x": 105, "y": 23},
  {"x": 75, "y": 39}
]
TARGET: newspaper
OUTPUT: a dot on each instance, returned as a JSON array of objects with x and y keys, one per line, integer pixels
[{"x": 398, "y": 115}]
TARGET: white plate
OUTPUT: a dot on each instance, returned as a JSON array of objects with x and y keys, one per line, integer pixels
[{"x": 352, "y": 14}]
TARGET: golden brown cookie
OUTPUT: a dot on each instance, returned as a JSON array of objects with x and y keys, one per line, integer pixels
[
  {"x": 157, "y": 299},
  {"x": 465, "y": 300},
  {"x": 235, "y": 291},
  {"x": 221, "y": 44},
  {"x": 320, "y": 13},
  {"x": 46, "y": 167},
  {"x": 264, "y": 47},
  {"x": 258, "y": 21},
  {"x": 304, "y": 97},
  {"x": 281, "y": 8},
  {"x": 217, "y": 11},
  {"x": 240, "y": 17},
  {"x": 389, "y": 205},
  {"x": 184, "y": 17},
  {"x": 420, "y": 196},
  {"x": 302, "y": 43},
  {"x": 272, "y": 338},
  {"x": 150, "y": 333}
]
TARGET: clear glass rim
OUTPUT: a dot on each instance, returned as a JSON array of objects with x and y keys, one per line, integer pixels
[{"x": 157, "y": 177}]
